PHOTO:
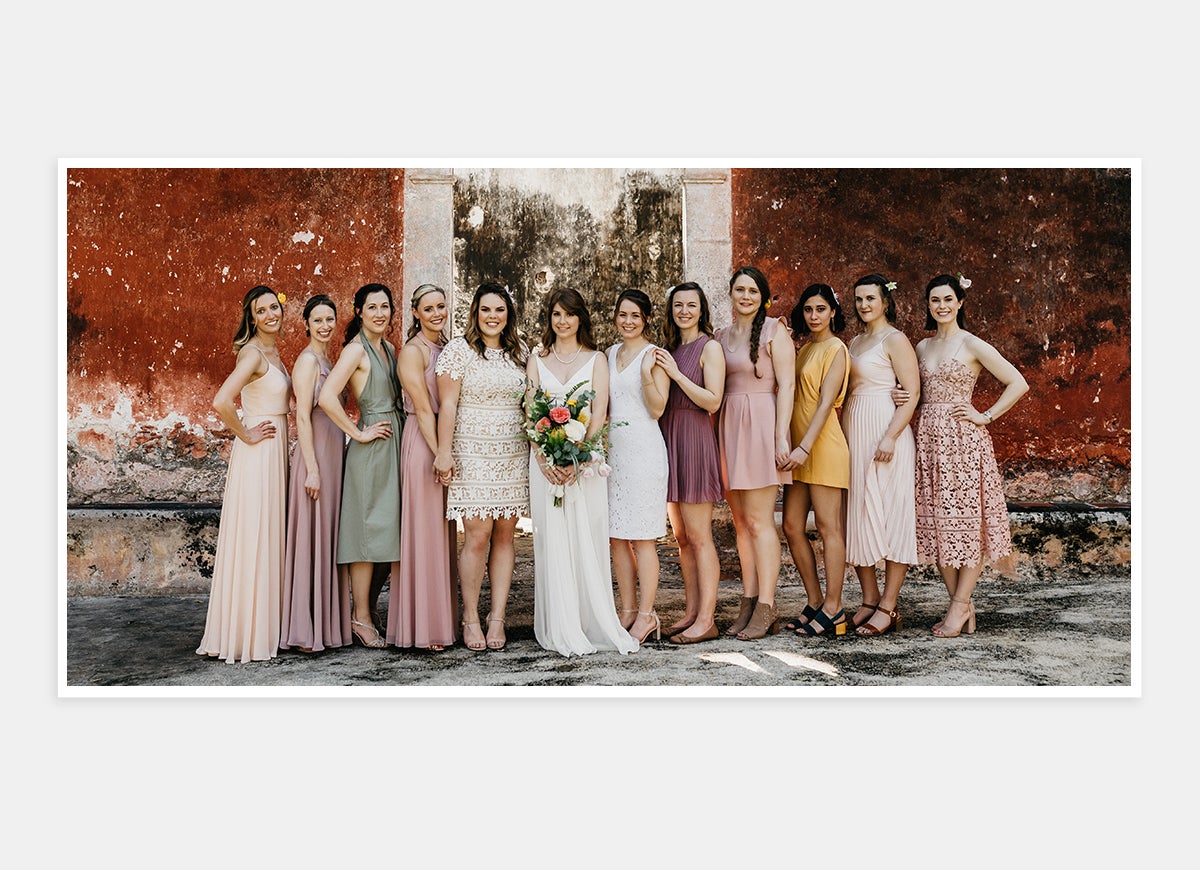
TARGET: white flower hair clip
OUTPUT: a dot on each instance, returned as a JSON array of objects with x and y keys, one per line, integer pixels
[
  {"x": 963, "y": 282},
  {"x": 890, "y": 285}
]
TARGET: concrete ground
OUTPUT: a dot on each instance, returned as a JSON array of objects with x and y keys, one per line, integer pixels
[{"x": 1041, "y": 631}]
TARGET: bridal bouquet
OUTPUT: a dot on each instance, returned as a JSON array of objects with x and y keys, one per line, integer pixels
[{"x": 557, "y": 428}]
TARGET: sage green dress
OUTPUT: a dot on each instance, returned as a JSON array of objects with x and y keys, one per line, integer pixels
[{"x": 369, "y": 526}]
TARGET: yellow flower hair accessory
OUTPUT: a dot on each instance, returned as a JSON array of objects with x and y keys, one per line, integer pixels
[{"x": 282, "y": 298}]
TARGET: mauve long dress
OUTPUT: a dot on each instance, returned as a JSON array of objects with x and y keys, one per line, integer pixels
[
  {"x": 423, "y": 602},
  {"x": 316, "y": 604}
]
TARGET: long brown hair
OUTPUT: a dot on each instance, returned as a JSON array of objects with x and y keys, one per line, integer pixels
[
  {"x": 572, "y": 302},
  {"x": 510, "y": 338},
  {"x": 246, "y": 327},
  {"x": 671, "y": 335}
]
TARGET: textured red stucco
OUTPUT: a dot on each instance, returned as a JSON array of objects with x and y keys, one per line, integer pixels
[
  {"x": 159, "y": 259},
  {"x": 1048, "y": 252}
]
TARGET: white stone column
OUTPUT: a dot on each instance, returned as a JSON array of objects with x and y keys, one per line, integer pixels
[
  {"x": 708, "y": 236},
  {"x": 428, "y": 235}
]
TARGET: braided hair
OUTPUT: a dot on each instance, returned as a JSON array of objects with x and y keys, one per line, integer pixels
[{"x": 760, "y": 316}]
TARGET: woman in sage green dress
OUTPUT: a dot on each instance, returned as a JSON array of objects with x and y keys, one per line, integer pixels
[{"x": 369, "y": 524}]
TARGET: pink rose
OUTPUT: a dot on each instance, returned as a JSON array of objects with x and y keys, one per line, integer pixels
[
  {"x": 560, "y": 415},
  {"x": 542, "y": 425}
]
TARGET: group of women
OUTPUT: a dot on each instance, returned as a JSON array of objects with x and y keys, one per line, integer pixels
[{"x": 441, "y": 439}]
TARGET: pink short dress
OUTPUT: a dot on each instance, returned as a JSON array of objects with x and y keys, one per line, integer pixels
[{"x": 746, "y": 422}]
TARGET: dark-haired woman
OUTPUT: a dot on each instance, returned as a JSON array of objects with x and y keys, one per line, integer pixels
[
  {"x": 754, "y": 439},
  {"x": 422, "y": 605},
  {"x": 245, "y": 599},
  {"x": 820, "y": 461},
  {"x": 961, "y": 511},
  {"x": 880, "y": 504},
  {"x": 316, "y": 596},
  {"x": 482, "y": 455},
  {"x": 369, "y": 522},
  {"x": 573, "y": 608},
  {"x": 637, "y": 486},
  {"x": 695, "y": 364}
]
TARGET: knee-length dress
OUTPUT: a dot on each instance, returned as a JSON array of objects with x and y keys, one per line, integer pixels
[
  {"x": 689, "y": 431},
  {"x": 369, "y": 525},
  {"x": 961, "y": 510},
  {"x": 637, "y": 485},
  {"x": 746, "y": 422},
  {"x": 573, "y": 607},
  {"x": 491, "y": 455},
  {"x": 316, "y": 603},
  {"x": 423, "y": 603},
  {"x": 828, "y": 463},
  {"x": 245, "y": 600},
  {"x": 881, "y": 501}
]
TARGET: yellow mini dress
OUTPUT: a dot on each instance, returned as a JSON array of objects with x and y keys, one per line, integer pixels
[{"x": 829, "y": 462}]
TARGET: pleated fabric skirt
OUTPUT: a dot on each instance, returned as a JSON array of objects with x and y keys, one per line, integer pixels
[{"x": 881, "y": 512}]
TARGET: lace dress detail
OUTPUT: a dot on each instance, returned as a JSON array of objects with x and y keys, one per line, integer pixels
[
  {"x": 637, "y": 486},
  {"x": 961, "y": 511},
  {"x": 491, "y": 455}
]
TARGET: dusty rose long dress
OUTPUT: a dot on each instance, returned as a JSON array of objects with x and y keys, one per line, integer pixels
[
  {"x": 316, "y": 602},
  {"x": 423, "y": 603}
]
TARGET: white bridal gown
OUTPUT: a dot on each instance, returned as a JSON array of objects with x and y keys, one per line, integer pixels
[{"x": 573, "y": 609}]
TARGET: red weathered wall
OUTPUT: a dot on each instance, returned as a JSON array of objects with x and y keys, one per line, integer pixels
[
  {"x": 1048, "y": 252},
  {"x": 157, "y": 263}
]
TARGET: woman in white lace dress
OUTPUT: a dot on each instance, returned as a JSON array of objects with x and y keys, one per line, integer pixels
[
  {"x": 637, "y": 486},
  {"x": 483, "y": 457}
]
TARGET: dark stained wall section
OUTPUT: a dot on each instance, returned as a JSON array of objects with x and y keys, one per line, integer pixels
[
  {"x": 158, "y": 260},
  {"x": 534, "y": 243},
  {"x": 1048, "y": 252}
]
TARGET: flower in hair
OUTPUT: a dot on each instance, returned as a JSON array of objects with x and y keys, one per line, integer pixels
[
  {"x": 963, "y": 282},
  {"x": 890, "y": 286},
  {"x": 282, "y": 298},
  {"x": 767, "y": 304}
]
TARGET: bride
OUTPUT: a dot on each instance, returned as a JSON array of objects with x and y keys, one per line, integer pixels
[{"x": 573, "y": 608}]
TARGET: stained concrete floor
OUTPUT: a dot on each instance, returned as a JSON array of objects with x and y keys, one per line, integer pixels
[{"x": 1067, "y": 628}]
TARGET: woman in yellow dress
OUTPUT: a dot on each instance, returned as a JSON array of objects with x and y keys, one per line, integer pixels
[{"x": 820, "y": 461}]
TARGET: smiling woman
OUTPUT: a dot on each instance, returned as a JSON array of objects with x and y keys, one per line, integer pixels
[{"x": 244, "y": 603}]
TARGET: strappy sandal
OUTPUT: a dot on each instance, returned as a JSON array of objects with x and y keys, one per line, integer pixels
[
  {"x": 868, "y": 630},
  {"x": 968, "y": 626},
  {"x": 805, "y": 616},
  {"x": 482, "y": 645},
  {"x": 374, "y": 643},
  {"x": 829, "y": 627},
  {"x": 871, "y": 607},
  {"x": 492, "y": 644}
]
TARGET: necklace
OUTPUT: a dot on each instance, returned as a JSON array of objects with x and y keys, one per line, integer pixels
[{"x": 565, "y": 362}]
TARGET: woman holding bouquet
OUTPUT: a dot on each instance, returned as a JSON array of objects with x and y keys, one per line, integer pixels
[
  {"x": 482, "y": 454},
  {"x": 573, "y": 609}
]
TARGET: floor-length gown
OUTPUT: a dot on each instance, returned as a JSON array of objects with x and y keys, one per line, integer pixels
[
  {"x": 423, "y": 603},
  {"x": 573, "y": 606},
  {"x": 316, "y": 603},
  {"x": 961, "y": 511},
  {"x": 637, "y": 486},
  {"x": 881, "y": 501},
  {"x": 245, "y": 600}
]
